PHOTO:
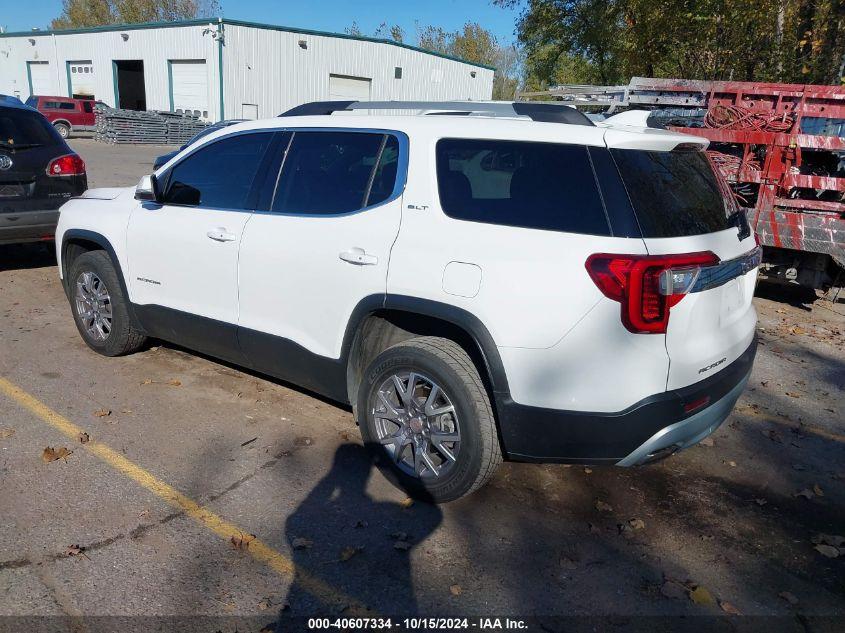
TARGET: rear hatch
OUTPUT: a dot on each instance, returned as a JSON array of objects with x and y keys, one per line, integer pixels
[
  {"x": 28, "y": 145},
  {"x": 683, "y": 208}
]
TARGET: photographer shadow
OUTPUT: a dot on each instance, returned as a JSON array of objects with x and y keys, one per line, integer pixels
[{"x": 352, "y": 554}]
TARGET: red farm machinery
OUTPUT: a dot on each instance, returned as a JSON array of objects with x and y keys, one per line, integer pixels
[{"x": 781, "y": 148}]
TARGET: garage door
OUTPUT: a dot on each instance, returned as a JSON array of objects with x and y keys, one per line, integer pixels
[
  {"x": 348, "y": 88},
  {"x": 40, "y": 78},
  {"x": 189, "y": 86},
  {"x": 81, "y": 78}
]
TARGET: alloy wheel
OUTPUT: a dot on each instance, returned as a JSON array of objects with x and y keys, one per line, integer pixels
[
  {"x": 93, "y": 305},
  {"x": 417, "y": 424}
]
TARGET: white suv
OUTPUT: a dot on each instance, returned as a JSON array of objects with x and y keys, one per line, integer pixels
[{"x": 500, "y": 280}]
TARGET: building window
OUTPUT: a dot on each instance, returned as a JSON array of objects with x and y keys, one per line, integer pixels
[{"x": 397, "y": 72}]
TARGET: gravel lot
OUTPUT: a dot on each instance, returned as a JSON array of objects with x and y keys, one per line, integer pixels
[{"x": 730, "y": 526}]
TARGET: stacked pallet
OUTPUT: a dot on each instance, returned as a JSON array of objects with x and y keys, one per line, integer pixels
[
  {"x": 135, "y": 127},
  {"x": 181, "y": 128}
]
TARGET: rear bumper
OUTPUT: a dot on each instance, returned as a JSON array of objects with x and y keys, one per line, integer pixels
[
  {"x": 652, "y": 428},
  {"x": 28, "y": 226},
  {"x": 686, "y": 433}
]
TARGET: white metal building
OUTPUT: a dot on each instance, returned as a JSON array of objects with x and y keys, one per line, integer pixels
[{"x": 228, "y": 68}]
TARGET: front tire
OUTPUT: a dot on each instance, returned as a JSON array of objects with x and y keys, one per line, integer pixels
[
  {"x": 425, "y": 414},
  {"x": 62, "y": 129},
  {"x": 99, "y": 307}
]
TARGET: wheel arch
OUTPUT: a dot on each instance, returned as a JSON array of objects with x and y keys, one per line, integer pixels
[
  {"x": 377, "y": 324},
  {"x": 63, "y": 122},
  {"x": 75, "y": 242}
]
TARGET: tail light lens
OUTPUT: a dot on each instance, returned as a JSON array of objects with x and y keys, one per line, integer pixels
[
  {"x": 67, "y": 165},
  {"x": 647, "y": 286}
]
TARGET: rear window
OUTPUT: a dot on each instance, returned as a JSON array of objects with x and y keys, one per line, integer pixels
[
  {"x": 674, "y": 194},
  {"x": 23, "y": 128},
  {"x": 545, "y": 186}
]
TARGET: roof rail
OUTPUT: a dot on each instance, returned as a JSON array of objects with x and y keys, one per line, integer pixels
[{"x": 548, "y": 112}]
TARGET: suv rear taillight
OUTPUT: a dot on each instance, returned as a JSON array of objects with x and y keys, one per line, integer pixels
[
  {"x": 647, "y": 286},
  {"x": 67, "y": 165}
]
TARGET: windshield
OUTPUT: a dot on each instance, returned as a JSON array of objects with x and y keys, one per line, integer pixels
[
  {"x": 20, "y": 128},
  {"x": 674, "y": 194}
]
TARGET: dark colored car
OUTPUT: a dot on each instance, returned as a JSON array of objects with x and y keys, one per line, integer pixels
[
  {"x": 161, "y": 160},
  {"x": 38, "y": 173},
  {"x": 66, "y": 114}
]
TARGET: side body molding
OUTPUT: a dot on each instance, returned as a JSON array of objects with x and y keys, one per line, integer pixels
[{"x": 287, "y": 360}]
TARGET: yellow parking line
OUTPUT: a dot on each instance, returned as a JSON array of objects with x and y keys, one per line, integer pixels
[{"x": 256, "y": 548}]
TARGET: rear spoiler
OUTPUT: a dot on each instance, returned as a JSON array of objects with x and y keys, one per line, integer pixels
[{"x": 651, "y": 139}]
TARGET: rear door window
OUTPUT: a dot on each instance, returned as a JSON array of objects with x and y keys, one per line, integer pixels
[
  {"x": 674, "y": 194},
  {"x": 219, "y": 175},
  {"x": 327, "y": 173},
  {"x": 547, "y": 186}
]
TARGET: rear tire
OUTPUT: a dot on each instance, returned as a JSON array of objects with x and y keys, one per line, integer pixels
[
  {"x": 62, "y": 129},
  {"x": 437, "y": 441},
  {"x": 100, "y": 309}
]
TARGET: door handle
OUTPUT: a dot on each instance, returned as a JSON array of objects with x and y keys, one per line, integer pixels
[
  {"x": 359, "y": 257},
  {"x": 221, "y": 235}
]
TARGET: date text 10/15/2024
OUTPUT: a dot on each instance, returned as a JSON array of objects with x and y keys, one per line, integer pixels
[{"x": 417, "y": 624}]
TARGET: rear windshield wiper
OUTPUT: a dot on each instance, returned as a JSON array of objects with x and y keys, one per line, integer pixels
[{"x": 739, "y": 219}]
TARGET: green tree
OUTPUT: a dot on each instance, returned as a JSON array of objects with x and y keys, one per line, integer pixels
[
  {"x": 83, "y": 13},
  {"x": 76, "y": 13},
  {"x": 435, "y": 39},
  {"x": 507, "y": 61},
  {"x": 814, "y": 40},
  {"x": 608, "y": 41},
  {"x": 474, "y": 43}
]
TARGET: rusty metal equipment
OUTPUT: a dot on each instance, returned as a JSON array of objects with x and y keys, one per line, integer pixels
[{"x": 781, "y": 147}]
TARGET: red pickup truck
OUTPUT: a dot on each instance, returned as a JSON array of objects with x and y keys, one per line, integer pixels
[{"x": 67, "y": 115}]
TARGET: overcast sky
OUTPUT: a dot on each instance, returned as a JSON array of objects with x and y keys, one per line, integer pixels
[{"x": 323, "y": 15}]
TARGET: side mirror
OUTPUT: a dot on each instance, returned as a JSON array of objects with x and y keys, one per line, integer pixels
[{"x": 147, "y": 189}]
